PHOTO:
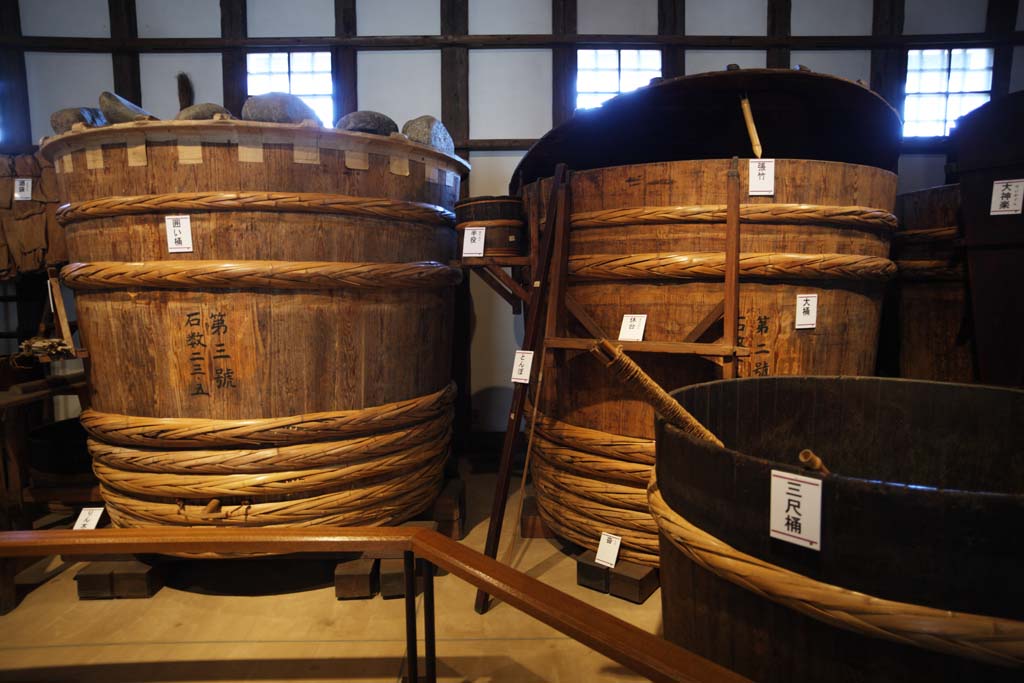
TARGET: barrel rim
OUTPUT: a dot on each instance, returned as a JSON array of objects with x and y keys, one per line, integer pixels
[
  {"x": 115, "y": 133},
  {"x": 914, "y": 490}
]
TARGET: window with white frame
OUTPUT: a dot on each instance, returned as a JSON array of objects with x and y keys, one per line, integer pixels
[
  {"x": 603, "y": 74},
  {"x": 306, "y": 74},
  {"x": 943, "y": 85}
]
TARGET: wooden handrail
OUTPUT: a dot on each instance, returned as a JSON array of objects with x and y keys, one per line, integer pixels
[{"x": 642, "y": 652}]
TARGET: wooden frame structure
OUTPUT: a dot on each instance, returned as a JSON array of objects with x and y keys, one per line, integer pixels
[{"x": 886, "y": 42}]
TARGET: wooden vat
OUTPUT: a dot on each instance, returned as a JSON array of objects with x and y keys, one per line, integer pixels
[
  {"x": 917, "y": 513},
  {"x": 293, "y": 367},
  {"x": 931, "y": 287},
  {"x": 503, "y": 218},
  {"x": 650, "y": 238},
  {"x": 987, "y": 152}
]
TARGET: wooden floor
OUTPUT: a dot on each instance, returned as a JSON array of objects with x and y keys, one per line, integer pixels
[{"x": 307, "y": 635}]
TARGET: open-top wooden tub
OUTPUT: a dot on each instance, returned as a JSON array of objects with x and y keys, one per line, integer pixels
[
  {"x": 292, "y": 368},
  {"x": 918, "y": 573},
  {"x": 648, "y": 237}
]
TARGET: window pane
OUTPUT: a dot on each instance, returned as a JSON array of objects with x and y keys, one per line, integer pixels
[
  {"x": 923, "y": 129},
  {"x": 323, "y": 105},
  {"x": 258, "y": 62},
  {"x": 913, "y": 81},
  {"x": 607, "y": 59},
  {"x": 279, "y": 62},
  {"x": 631, "y": 80},
  {"x": 586, "y": 59},
  {"x": 630, "y": 59},
  {"x": 312, "y": 84},
  {"x": 933, "y": 81},
  {"x": 322, "y": 61},
  {"x": 597, "y": 81},
  {"x": 962, "y": 104},
  {"x": 913, "y": 60},
  {"x": 934, "y": 59},
  {"x": 302, "y": 61},
  {"x": 259, "y": 84},
  {"x": 589, "y": 100},
  {"x": 651, "y": 60}
]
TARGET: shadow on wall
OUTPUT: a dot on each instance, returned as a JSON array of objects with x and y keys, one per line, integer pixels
[{"x": 491, "y": 401}]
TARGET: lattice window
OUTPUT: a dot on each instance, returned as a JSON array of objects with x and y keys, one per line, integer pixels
[
  {"x": 603, "y": 74},
  {"x": 306, "y": 74},
  {"x": 943, "y": 85}
]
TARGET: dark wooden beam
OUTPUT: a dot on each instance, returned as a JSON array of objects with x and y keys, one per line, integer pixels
[
  {"x": 495, "y": 144},
  {"x": 15, "y": 125},
  {"x": 124, "y": 28},
  {"x": 1001, "y": 21},
  {"x": 889, "y": 62},
  {"x": 672, "y": 22},
  {"x": 455, "y": 74},
  {"x": 343, "y": 60},
  {"x": 563, "y": 67},
  {"x": 780, "y": 14},
  {"x": 234, "y": 27}
]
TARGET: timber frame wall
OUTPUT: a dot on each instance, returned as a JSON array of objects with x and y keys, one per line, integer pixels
[{"x": 887, "y": 44}]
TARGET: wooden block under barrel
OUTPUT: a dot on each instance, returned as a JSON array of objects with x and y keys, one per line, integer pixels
[
  {"x": 96, "y": 581},
  {"x": 134, "y": 579},
  {"x": 451, "y": 503},
  {"x": 356, "y": 579},
  {"x": 590, "y": 574},
  {"x": 392, "y": 578},
  {"x": 530, "y": 524},
  {"x": 633, "y": 582}
]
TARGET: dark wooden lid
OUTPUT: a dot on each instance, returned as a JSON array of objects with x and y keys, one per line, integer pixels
[{"x": 799, "y": 115}]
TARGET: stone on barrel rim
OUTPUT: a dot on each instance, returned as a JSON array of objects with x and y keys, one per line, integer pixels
[
  {"x": 117, "y": 109},
  {"x": 428, "y": 130},
  {"x": 278, "y": 107},
  {"x": 367, "y": 121},
  {"x": 201, "y": 111},
  {"x": 63, "y": 119}
]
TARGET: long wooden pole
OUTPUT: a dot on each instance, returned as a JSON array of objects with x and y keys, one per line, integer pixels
[{"x": 732, "y": 267}]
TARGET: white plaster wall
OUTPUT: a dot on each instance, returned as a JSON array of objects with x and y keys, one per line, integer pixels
[
  {"x": 727, "y": 17},
  {"x": 64, "y": 79},
  {"x": 402, "y": 84},
  {"x": 944, "y": 16},
  {"x": 919, "y": 171},
  {"x": 851, "y": 64},
  {"x": 638, "y": 17},
  {"x": 294, "y": 18},
  {"x": 178, "y": 19},
  {"x": 509, "y": 93},
  {"x": 831, "y": 17},
  {"x": 501, "y": 16},
  {"x": 78, "y": 18},
  {"x": 497, "y": 332},
  {"x": 160, "y": 86},
  {"x": 699, "y": 61},
  {"x": 398, "y": 17}
]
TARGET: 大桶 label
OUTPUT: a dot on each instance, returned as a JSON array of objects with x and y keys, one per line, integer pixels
[
  {"x": 795, "y": 515},
  {"x": 806, "y": 311}
]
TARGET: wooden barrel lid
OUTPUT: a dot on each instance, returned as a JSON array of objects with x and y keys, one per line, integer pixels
[{"x": 799, "y": 115}]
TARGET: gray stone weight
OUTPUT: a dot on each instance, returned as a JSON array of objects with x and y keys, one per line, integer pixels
[
  {"x": 117, "y": 109},
  {"x": 203, "y": 110},
  {"x": 429, "y": 131},
  {"x": 367, "y": 122},
  {"x": 277, "y": 107},
  {"x": 62, "y": 119}
]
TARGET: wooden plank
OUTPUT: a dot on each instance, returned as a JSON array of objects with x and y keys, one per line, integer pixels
[
  {"x": 496, "y": 144},
  {"x": 134, "y": 579},
  {"x": 96, "y": 581},
  {"x": 581, "y": 344},
  {"x": 1001, "y": 19},
  {"x": 581, "y": 315},
  {"x": 779, "y": 19},
  {"x": 17, "y": 129},
  {"x": 455, "y": 79},
  {"x": 234, "y": 27},
  {"x": 713, "y": 316},
  {"x": 888, "y": 63},
  {"x": 124, "y": 27},
  {"x": 590, "y": 574},
  {"x": 505, "y": 279},
  {"x": 730, "y": 325},
  {"x": 563, "y": 75},
  {"x": 633, "y": 582},
  {"x": 672, "y": 22},
  {"x": 343, "y": 60},
  {"x": 356, "y": 579},
  {"x": 500, "y": 261}
]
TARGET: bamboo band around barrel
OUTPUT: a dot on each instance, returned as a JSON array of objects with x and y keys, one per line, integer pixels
[
  {"x": 186, "y": 432},
  {"x": 292, "y": 202},
  {"x": 912, "y": 269},
  {"x": 492, "y": 223},
  {"x": 711, "y": 265},
  {"x": 769, "y": 214},
  {"x": 926, "y": 235},
  {"x": 305, "y": 275},
  {"x": 988, "y": 639}
]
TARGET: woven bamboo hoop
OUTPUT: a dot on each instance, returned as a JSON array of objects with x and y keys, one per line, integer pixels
[
  {"x": 926, "y": 235},
  {"x": 930, "y": 270},
  {"x": 293, "y": 202},
  {"x": 183, "y": 432},
  {"x": 257, "y": 275},
  {"x": 598, "y": 514},
  {"x": 989, "y": 639},
  {"x": 700, "y": 265},
  {"x": 592, "y": 465},
  {"x": 606, "y": 493},
  {"x": 770, "y": 214},
  {"x": 334, "y": 453},
  {"x": 627, "y": 448},
  {"x": 571, "y": 525}
]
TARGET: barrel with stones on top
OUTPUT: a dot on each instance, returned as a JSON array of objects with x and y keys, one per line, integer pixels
[
  {"x": 267, "y": 310},
  {"x": 649, "y": 238}
]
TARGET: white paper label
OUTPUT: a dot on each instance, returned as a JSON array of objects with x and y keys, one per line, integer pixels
[
  {"x": 22, "y": 189},
  {"x": 633, "y": 327},
  {"x": 806, "y": 311},
  {"x": 179, "y": 234},
  {"x": 762, "y": 177},
  {"x": 608, "y": 549},
  {"x": 796, "y": 509},
  {"x": 88, "y": 518},
  {"x": 1007, "y": 197},
  {"x": 473, "y": 242},
  {"x": 521, "y": 367}
]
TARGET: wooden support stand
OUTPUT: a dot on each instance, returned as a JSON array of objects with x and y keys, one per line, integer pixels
[
  {"x": 626, "y": 580},
  {"x": 449, "y": 510},
  {"x": 590, "y": 574},
  {"x": 357, "y": 579},
  {"x": 108, "y": 580}
]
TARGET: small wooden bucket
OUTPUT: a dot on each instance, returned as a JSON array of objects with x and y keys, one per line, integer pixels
[{"x": 503, "y": 218}]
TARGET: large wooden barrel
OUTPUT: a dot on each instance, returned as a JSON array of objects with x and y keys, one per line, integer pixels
[
  {"x": 650, "y": 239},
  {"x": 931, "y": 287},
  {"x": 989, "y": 163},
  {"x": 917, "y": 574},
  {"x": 293, "y": 366}
]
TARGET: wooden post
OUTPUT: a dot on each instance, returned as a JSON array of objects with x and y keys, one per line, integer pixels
[
  {"x": 563, "y": 78},
  {"x": 127, "y": 72},
  {"x": 17, "y": 129},
  {"x": 234, "y": 24},
  {"x": 732, "y": 267},
  {"x": 1001, "y": 20},
  {"x": 779, "y": 13},
  {"x": 672, "y": 22},
  {"x": 343, "y": 61}
]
